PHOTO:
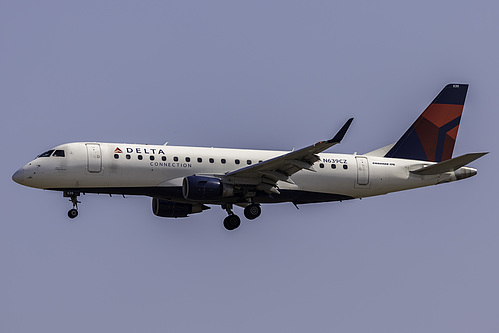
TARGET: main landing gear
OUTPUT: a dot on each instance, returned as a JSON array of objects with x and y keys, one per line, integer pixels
[
  {"x": 73, "y": 197},
  {"x": 233, "y": 221},
  {"x": 252, "y": 211}
]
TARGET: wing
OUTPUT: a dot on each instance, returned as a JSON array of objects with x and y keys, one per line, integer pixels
[{"x": 266, "y": 174}]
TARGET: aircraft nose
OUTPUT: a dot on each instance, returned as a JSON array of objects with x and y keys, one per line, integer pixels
[{"x": 18, "y": 176}]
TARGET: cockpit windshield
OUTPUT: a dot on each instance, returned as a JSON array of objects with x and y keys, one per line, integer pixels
[
  {"x": 53, "y": 153},
  {"x": 46, "y": 154},
  {"x": 59, "y": 153}
]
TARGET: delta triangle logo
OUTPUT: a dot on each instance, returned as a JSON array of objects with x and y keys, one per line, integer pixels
[{"x": 118, "y": 150}]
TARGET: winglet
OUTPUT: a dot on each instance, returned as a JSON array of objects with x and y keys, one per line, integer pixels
[{"x": 341, "y": 133}]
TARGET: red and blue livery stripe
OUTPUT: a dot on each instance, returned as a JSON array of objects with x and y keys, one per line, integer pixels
[{"x": 433, "y": 135}]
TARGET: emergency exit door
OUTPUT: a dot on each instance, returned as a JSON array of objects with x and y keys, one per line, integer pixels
[{"x": 94, "y": 158}]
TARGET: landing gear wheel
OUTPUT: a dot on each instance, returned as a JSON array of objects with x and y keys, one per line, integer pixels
[
  {"x": 231, "y": 222},
  {"x": 72, "y": 213},
  {"x": 252, "y": 211},
  {"x": 73, "y": 197}
]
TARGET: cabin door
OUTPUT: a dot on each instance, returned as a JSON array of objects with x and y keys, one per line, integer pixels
[
  {"x": 362, "y": 171},
  {"x": 94, "y": 158}
]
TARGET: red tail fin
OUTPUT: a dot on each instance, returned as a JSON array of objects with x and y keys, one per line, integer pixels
[{"x": 433, "y": 134}]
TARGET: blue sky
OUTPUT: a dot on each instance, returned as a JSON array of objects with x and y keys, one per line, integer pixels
[{"x": 265, "y": 75}]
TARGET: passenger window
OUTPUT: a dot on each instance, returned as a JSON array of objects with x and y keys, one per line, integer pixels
[
  {"x": 59, "y": 153},
  {"x": 237, "y": 161},
  {"x": 175, "y": 158},
  {"x": 200, "y": 159},
  {"x": 163, "y": 158},
  {"x": 46, "y": 154},
  {"x": 333, "y": 166},
  {"x": 187, "y": 159},
  {"x": 345, "y": 166},
  {"x": 223, "y": 161},
  {"x": 248, "y": 162},
  {"x": 116, "y": 156},
  {"x": 151, "y": 158},
  {"x": 139, "y": 157},
  {"x": 212, "y": 160},
  {"x": 128, "y": 156},
  {"x": 321, "y": 165}
]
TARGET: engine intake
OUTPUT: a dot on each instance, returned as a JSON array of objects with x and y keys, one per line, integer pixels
[
  {"x": 165, "y": 208},
  {"x": 200, "y": 188}
]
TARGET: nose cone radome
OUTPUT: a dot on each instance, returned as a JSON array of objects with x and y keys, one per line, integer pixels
[{"x": 18, "y": 176}]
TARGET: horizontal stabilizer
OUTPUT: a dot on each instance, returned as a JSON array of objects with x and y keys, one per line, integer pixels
[{"x": 449, "y": 165}]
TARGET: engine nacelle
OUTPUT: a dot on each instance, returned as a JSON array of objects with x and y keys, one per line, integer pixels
[
  {"x": 200, "y": 188},
  {"x": 165, "y": 208}
]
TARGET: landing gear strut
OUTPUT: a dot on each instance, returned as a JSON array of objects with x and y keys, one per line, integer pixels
[
  {"x": 73, "y": 197},
  {"x": 232, "y": 221}
]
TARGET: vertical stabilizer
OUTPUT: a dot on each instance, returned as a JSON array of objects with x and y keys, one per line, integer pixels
[{"x": 433, "y": 134}]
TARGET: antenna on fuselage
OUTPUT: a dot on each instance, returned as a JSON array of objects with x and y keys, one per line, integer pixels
[{"x": 164, "y": 144}]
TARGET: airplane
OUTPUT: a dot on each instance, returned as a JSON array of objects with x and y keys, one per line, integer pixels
[{"x": 185, "y": 180}]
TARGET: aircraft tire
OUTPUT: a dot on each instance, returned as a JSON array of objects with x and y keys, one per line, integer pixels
[
  {"x": 232, "y": 222},
  {"x": 72, "y": 213},
  {"x": 252, "y": 211}
]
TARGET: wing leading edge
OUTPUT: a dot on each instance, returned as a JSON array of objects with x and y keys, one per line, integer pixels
[{"x": 267, "y": 173}]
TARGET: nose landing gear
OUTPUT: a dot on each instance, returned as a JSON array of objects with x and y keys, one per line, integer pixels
[
  {"x": 73, "y": 197},
  {"x": 72, "y": 213}
]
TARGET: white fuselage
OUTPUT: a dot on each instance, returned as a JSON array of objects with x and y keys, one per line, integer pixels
[
  {"x": 149, "y": 169},
  {"x": 184, "y": 180}
]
